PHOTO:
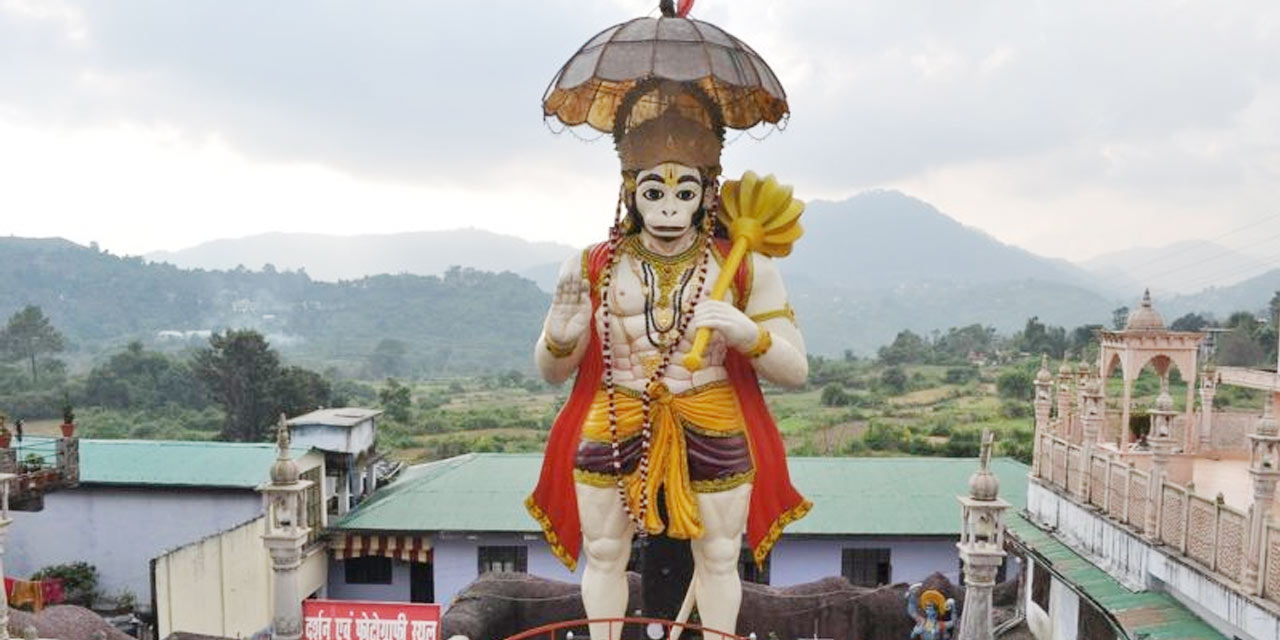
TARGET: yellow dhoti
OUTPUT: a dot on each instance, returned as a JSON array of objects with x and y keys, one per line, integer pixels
[{"x": 702, "y": 427}]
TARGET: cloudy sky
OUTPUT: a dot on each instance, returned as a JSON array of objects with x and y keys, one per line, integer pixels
[{"x": 1068, "y": 127}]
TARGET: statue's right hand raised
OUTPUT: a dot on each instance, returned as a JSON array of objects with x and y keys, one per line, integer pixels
[{"x": 570, "y": 307}]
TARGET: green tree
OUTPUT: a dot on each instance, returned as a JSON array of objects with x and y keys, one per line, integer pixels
[
  {"x": 299, "y": 391},
  {"x": 29, "y": 334},
  {"x": 1014, "y": 385},
  {"x": 1083, "y": 342},
  {"x": 396, "y": 400},
  {"x": 139, "y": 379},
  {"x": 240, "y": 370},
  {"x": 1037, "y": 338},
  {"x": 907, "y": 347},
  {"x": 1189, "y": 322},
  {"x": 956, "y": 344},
  {"x": 833, "y": 395},
  {"x": 894, "y": 378},
  {"x": 1119, "y": 318}
]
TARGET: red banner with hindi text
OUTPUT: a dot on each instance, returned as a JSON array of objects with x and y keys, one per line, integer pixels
[{"x": 361, "y": 620}]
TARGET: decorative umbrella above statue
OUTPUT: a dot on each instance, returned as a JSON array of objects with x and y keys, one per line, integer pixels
[{"x": 669, "y": 322}]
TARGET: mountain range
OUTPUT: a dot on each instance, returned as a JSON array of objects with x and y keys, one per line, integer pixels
[
  {"x": 1180, "y": 268},
  {"x": 331, "y": 258},
  {"x": 866, "y": 268}
]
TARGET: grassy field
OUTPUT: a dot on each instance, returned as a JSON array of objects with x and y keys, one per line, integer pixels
[{"x": 928, "y": 417}]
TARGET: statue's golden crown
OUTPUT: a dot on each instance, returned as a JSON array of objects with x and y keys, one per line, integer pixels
[
  {"x": 665, "y": 121},
  {"x": 669, "y": 138}
]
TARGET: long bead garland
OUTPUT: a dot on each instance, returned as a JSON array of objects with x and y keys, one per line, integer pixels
[{"x": 646, "y": 398}]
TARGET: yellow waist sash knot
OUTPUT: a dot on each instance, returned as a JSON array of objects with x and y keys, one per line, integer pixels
[{"x": 711, "y": 409}]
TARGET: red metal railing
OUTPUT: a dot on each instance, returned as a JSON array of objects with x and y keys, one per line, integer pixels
[{"x": 549, "y": 630}]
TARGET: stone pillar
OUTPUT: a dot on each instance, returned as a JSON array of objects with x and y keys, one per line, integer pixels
[
  {"x": 69, "y": 461},
  {"x": 981, "y": 546},
  {"x": 1092, "y": 422},
  {"x": 5, "y": 521},
  {"x": 1083, "y": 373},
  {"x": 1066, "y": 405},
  {"x": 1043, "y": 384},
  {"x": 1125, "y": 436},
  {"x": 344, "y": 487},
  {"x": 285, "y": 536},
  {"x": 1264, "y": 459},
  {"x": 1161, "y": 441},
  {"x": 1208, "y": 388}
]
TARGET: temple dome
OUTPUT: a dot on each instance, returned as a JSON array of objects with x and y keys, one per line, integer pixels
[
  {"x": 984, "y": 485},
  {"x": 284, "y": 471},
  {"x": 1146, "y": 318},
  {"x": 1043, "y": 376}
]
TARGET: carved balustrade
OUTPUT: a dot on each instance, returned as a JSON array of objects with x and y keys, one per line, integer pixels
[
  {"x": 1210, "y": 534},
  {"x": 1098, "y": 465}
]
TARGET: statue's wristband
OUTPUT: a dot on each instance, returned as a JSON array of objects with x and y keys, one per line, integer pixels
[
  {"x": 764, "y": 340},
  {"x": 557, "y": 349}
]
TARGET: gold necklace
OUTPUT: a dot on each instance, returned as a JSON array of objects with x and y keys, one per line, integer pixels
[{"x": 664, "y": 280}]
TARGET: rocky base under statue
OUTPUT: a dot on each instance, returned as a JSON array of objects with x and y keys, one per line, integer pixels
[{"x": 499, "y": 605}]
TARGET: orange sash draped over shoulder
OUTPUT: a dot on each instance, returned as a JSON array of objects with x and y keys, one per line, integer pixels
[{"x": 775, "y": 503}]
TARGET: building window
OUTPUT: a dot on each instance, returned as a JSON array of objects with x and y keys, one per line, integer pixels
[
  {"x": 315, "y": 503},
  {"x": 1040, "y": 586},
  {"x": 368, "y": 570},
  {"x": 508, "y": 559},
  {"x": 748, "y": 570},
  {"x": 866, "y": 567}
]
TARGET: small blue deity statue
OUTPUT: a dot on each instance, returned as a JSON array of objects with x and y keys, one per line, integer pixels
[{"x": 932, "y": 612}]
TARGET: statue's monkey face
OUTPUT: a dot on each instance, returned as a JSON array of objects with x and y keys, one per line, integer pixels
[{"x": 667, "y": 197}]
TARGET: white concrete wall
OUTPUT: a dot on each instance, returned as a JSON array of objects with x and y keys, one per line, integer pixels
[
  {"x": 119, "y": 530},
  {"x": 1038, "y": 621},
  {"x": 1139, "y": 565},
  {"x": 333, "y": 438},
  {"x": 1107, "y": 544},
  {"x": 222, "y": 585},
  {"x": 1213, "y": 600},
  {"x": 1064, "y": 612},
  {"x": 219, "y": 586}
]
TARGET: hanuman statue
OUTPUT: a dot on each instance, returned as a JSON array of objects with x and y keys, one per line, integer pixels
[{"x": 638, "y": 421}]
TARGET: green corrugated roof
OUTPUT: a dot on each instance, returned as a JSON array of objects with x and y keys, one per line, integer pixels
[
  {"x": 1151, "y": 613},
  {"x": 178, "y": 463},
  {"x": 851, "y": 496}
]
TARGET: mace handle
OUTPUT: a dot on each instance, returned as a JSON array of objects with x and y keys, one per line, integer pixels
[{"x": 693, "y": 359}]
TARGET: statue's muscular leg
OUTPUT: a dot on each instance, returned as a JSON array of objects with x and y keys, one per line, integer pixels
[
  {"x": 606, "y": 539},
  {"x": 719, "y": 591}
]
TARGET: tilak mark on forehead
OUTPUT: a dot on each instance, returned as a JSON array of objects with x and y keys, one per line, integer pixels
[{"x": 670, "y": 176}]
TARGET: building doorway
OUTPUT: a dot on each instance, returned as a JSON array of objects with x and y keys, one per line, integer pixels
[{"x": 422, "y": 582}]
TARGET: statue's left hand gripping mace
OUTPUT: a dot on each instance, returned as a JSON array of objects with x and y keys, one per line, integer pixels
[{"x": 762, "y": 217}]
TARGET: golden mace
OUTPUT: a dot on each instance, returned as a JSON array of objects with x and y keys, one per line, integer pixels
[{"x": 761, "y": 216}]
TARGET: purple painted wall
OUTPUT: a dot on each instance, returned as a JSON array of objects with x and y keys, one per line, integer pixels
[
  {"x": 795, "y": 560},
  {"x": 120, "y": 529},
  {"x": 455, "y": 558}
]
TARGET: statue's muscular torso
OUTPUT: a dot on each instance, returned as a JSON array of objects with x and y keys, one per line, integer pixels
[{"x": 634, "y": 354}]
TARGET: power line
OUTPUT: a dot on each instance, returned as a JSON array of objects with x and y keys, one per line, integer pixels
[
  {"x": 1142, "y": 265},
  {"x": 1225, "y": 254}
]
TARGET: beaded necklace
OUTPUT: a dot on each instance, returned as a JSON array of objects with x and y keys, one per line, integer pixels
[
  {"x": 665, "y": 280},
  {"x": 616, "y": 237}
]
